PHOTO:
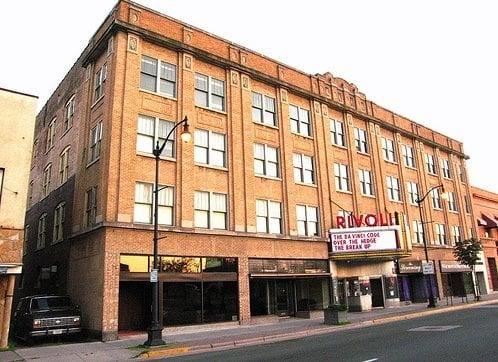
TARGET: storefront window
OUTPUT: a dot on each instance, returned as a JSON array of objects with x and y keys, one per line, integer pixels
[
  {"x": 220, "y": 301},
  {"x": 288, "y": 266},
  {"x": 182, "y": 303},
  {"x": 134, "y": 263},
  {"x": 171, "y": 264},
  {"x": 217, "y": 265}
]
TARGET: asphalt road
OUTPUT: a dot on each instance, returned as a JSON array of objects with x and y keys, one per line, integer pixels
[{"x": 467, "y": 335}]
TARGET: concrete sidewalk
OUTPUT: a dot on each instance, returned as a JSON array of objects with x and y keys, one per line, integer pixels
[{"x": 210, "y": 337}]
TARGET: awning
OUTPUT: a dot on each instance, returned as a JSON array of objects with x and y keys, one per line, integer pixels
[
  {"x": 481, "y": 222},
  {"x": 490, "y": 222},
  {"x": 10, "y": 268},
  {"x": 288, "y": 276}
]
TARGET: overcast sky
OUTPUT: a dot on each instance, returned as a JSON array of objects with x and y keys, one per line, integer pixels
[{"x": 435, "y": 62}]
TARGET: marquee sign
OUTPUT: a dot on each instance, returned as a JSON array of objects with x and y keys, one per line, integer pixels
[{"x": 366, "y": 239}]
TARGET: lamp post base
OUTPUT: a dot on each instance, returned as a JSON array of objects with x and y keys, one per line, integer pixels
[
  {"x": 154, "y": 337},
  {"x": 432, "y": 302}
]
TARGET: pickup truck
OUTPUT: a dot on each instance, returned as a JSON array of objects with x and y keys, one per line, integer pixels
[{"x": 45, "y": 315}]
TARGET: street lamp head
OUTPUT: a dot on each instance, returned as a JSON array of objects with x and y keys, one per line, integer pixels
[{"x": 186, "y": 136}]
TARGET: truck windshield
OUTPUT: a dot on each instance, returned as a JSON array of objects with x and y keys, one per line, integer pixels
[{"x": 50, "y": 303}]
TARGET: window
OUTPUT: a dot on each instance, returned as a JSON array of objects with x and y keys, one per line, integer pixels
[
  {"x": 30, "y": 190},
  {"x": 95, "y": 140},
  {"x": 393, "y": 189},
  {"x": 300, "y": 120},
  {"x": 266, "y": 160},
  {"x": 50, "y": 135},
  {"x": 59, "y": 222},
  {"x": 412, "y": 192},
  {"x": 144, "y": 204},
  {"x": 452, "y": 203},
  {"x": 209, "y": 92},
  {"x": 430, "y": 163},
  {"x": 98, "y": 88},
  {"x": 388, "y": 150},
  {"x": 337, "y": 133},
  {"x": 366, "y": 182},
  {"x": 210, "y": 148},
  {"x": 42, "y": 232},
  {"x": 455, "y": 231},
  {"x": 461, "y": 174},
  {"x": 440, "y": 234},
  {"x": 263, "y": 109},
  {"x": 27, "y": 230},
  {"x": 150, "y": 131},
  {"x": 47, "y": 175},
  {"x": 360, "y": 140},
  {"x": 268, "y": 217},
  {"x": 418, "y": 232},
  {"x": 158, "y": 76},
  {"x": 341, "y": 177},
  {"x": 64, "y": 165},
  {"x": 467, "y": 204},
  {"x": 436, "y": 199},
  {"x": 210, "y": 210},
  {"x": 2, "y": 172},
  {"x": 34, "y": 153},
  {"x": 445, "y": 168},
  {"x": 307, "y": 220},
  {"x": 408, "y": 156},
  {"x": 91, "y": 207},
  {"x": 303, "y": 169},
  {"x": 69, "y": 114}
]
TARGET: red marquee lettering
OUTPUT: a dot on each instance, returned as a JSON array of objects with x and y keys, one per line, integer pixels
[{"x": 371, "y": 220}]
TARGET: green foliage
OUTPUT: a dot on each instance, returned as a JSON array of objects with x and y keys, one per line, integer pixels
[
  {"x": 466, "y": 251},
  {"x": 338, "y": 307}
]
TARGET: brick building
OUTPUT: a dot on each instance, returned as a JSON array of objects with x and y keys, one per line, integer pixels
[
  {"x": 17, "y": 117},
  {"x": 246, "y": 207},
  {"x": 486, "y": 211}
]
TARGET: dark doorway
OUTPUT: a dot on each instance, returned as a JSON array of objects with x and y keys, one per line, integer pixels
[
  {"x": 493, "y": 273},
  {"x": 284, "y": 297},
  {"x": 134, "y": 305},
  {"x": 377, "y": 294}
]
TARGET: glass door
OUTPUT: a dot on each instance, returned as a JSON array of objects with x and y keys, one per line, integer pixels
[{"x": 284, "y": 297}]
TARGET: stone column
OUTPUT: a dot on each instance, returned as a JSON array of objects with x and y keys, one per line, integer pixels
[
  {"x": 244, "y": 295},
  {"x": 7, "y": 306}
]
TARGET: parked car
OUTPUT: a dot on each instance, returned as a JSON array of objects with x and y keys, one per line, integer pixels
[{"x": 45, "y": 315}]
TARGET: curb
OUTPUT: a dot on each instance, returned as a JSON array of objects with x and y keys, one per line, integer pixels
[{"x": 170, "y": 352}]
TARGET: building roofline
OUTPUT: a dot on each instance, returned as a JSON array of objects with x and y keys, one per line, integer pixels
[{"x": 17, "y": 92}]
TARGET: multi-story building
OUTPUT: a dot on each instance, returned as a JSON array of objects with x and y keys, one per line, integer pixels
[
  {"x": 245, "y": 208},
  {"x": 17, "y": 118},
  {"x": 485, "y": 205}
]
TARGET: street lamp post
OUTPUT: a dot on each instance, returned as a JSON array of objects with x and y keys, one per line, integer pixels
[
  {"x": 154, "y": 332},
  {"x": 431, "y": 298}
]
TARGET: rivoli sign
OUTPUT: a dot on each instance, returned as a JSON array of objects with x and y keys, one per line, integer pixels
[
  {"x": 356, "y": 221},
  {"x": 364, "y": 239}
]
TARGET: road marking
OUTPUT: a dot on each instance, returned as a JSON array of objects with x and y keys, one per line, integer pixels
[
  {"x": 433, "y": 328},
  {"x": 371, "y": 360}
]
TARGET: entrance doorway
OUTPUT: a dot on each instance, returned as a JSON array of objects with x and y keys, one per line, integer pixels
[
  {"x": 284, "y": 297},
  {"x": 377, "y": 292},
  {"x": 493, "y": 273},
  {"x": 134, "y": 305}
]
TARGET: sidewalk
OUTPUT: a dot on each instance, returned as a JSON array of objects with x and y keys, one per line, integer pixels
[{"x": 210, "y": 337}]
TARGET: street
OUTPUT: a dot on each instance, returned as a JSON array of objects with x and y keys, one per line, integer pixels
[{"x": 466, "y": 335}]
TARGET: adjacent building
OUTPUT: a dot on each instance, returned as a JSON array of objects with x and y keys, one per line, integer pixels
[
  {"x": 17, "y": 117},
  {"x": 486, "y": 211},
  {"x": 245, "y": 209}
]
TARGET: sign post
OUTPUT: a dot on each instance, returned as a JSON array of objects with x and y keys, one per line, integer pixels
[{"x": 153, "y": 276}]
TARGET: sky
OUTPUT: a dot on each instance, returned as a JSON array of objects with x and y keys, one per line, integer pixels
[{"x": 435, "y": 62}]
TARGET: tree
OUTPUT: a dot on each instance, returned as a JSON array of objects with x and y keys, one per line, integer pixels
[{"x": 467, "y": 253}]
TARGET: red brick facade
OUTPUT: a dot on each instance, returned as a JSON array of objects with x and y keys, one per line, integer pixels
[{"x": 132, "y": 31}]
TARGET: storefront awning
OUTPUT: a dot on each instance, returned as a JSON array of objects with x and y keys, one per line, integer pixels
[
  {"x": 481, "y": 222},
  {"x": 288, "y": 276},
  {"x": 10, "y": 268},
  {"x": 490, "y": 221}
]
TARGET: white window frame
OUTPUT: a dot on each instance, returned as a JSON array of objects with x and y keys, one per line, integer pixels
[
  {"x": 456, "y": 233},
  {"x": 413, "y": 192},
  {"x": 361, "y": 140},
  {"x": 468, "y": 208},
  {"x": 51, "y": 134},
  {"x": 209, "y": 150},
  {"x": 300, "y": 172},
  {"x": 169, "y": 149},
  {"x": 266, "y": 162},
  {"x": 268, "y": 213},
  {"x": 165, "y": 209},
  {"x": 307, "y": 221},
  {"x": 446, "y": 168},
  {"x": 440, "y": 234},
  {"x": 341, "y": 177},
  {"x": 393, "y": 188},
  {"x": 59, "y": 218},
  {"x": 337, "y": 133},
  {"x": 299, "y": 125},
  {"x": 452, "y": 202},
  {"x": 264, "y": 111},
  {"x": 437, "y": 203},
  {"x": 209, "y": 93},
  {"x": 47, "y": 176},
  {"x": 69, "y": 113},
  {"x": 388, "y": 150},
  {"x": 430, "y": 163},
  {"x": 418, "y": 232},
  {"x": 64, "y": 165},
  {"x": 98, "y": 87},
  {"x": 41, "y": 238},
  {"x": 366, "y": 183},
  {"x": 95, "y": 143},
  {"x": 158, "y": 78},
  {"x": 408, "y": 156},
  {"x": 210, "y": 213}
]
